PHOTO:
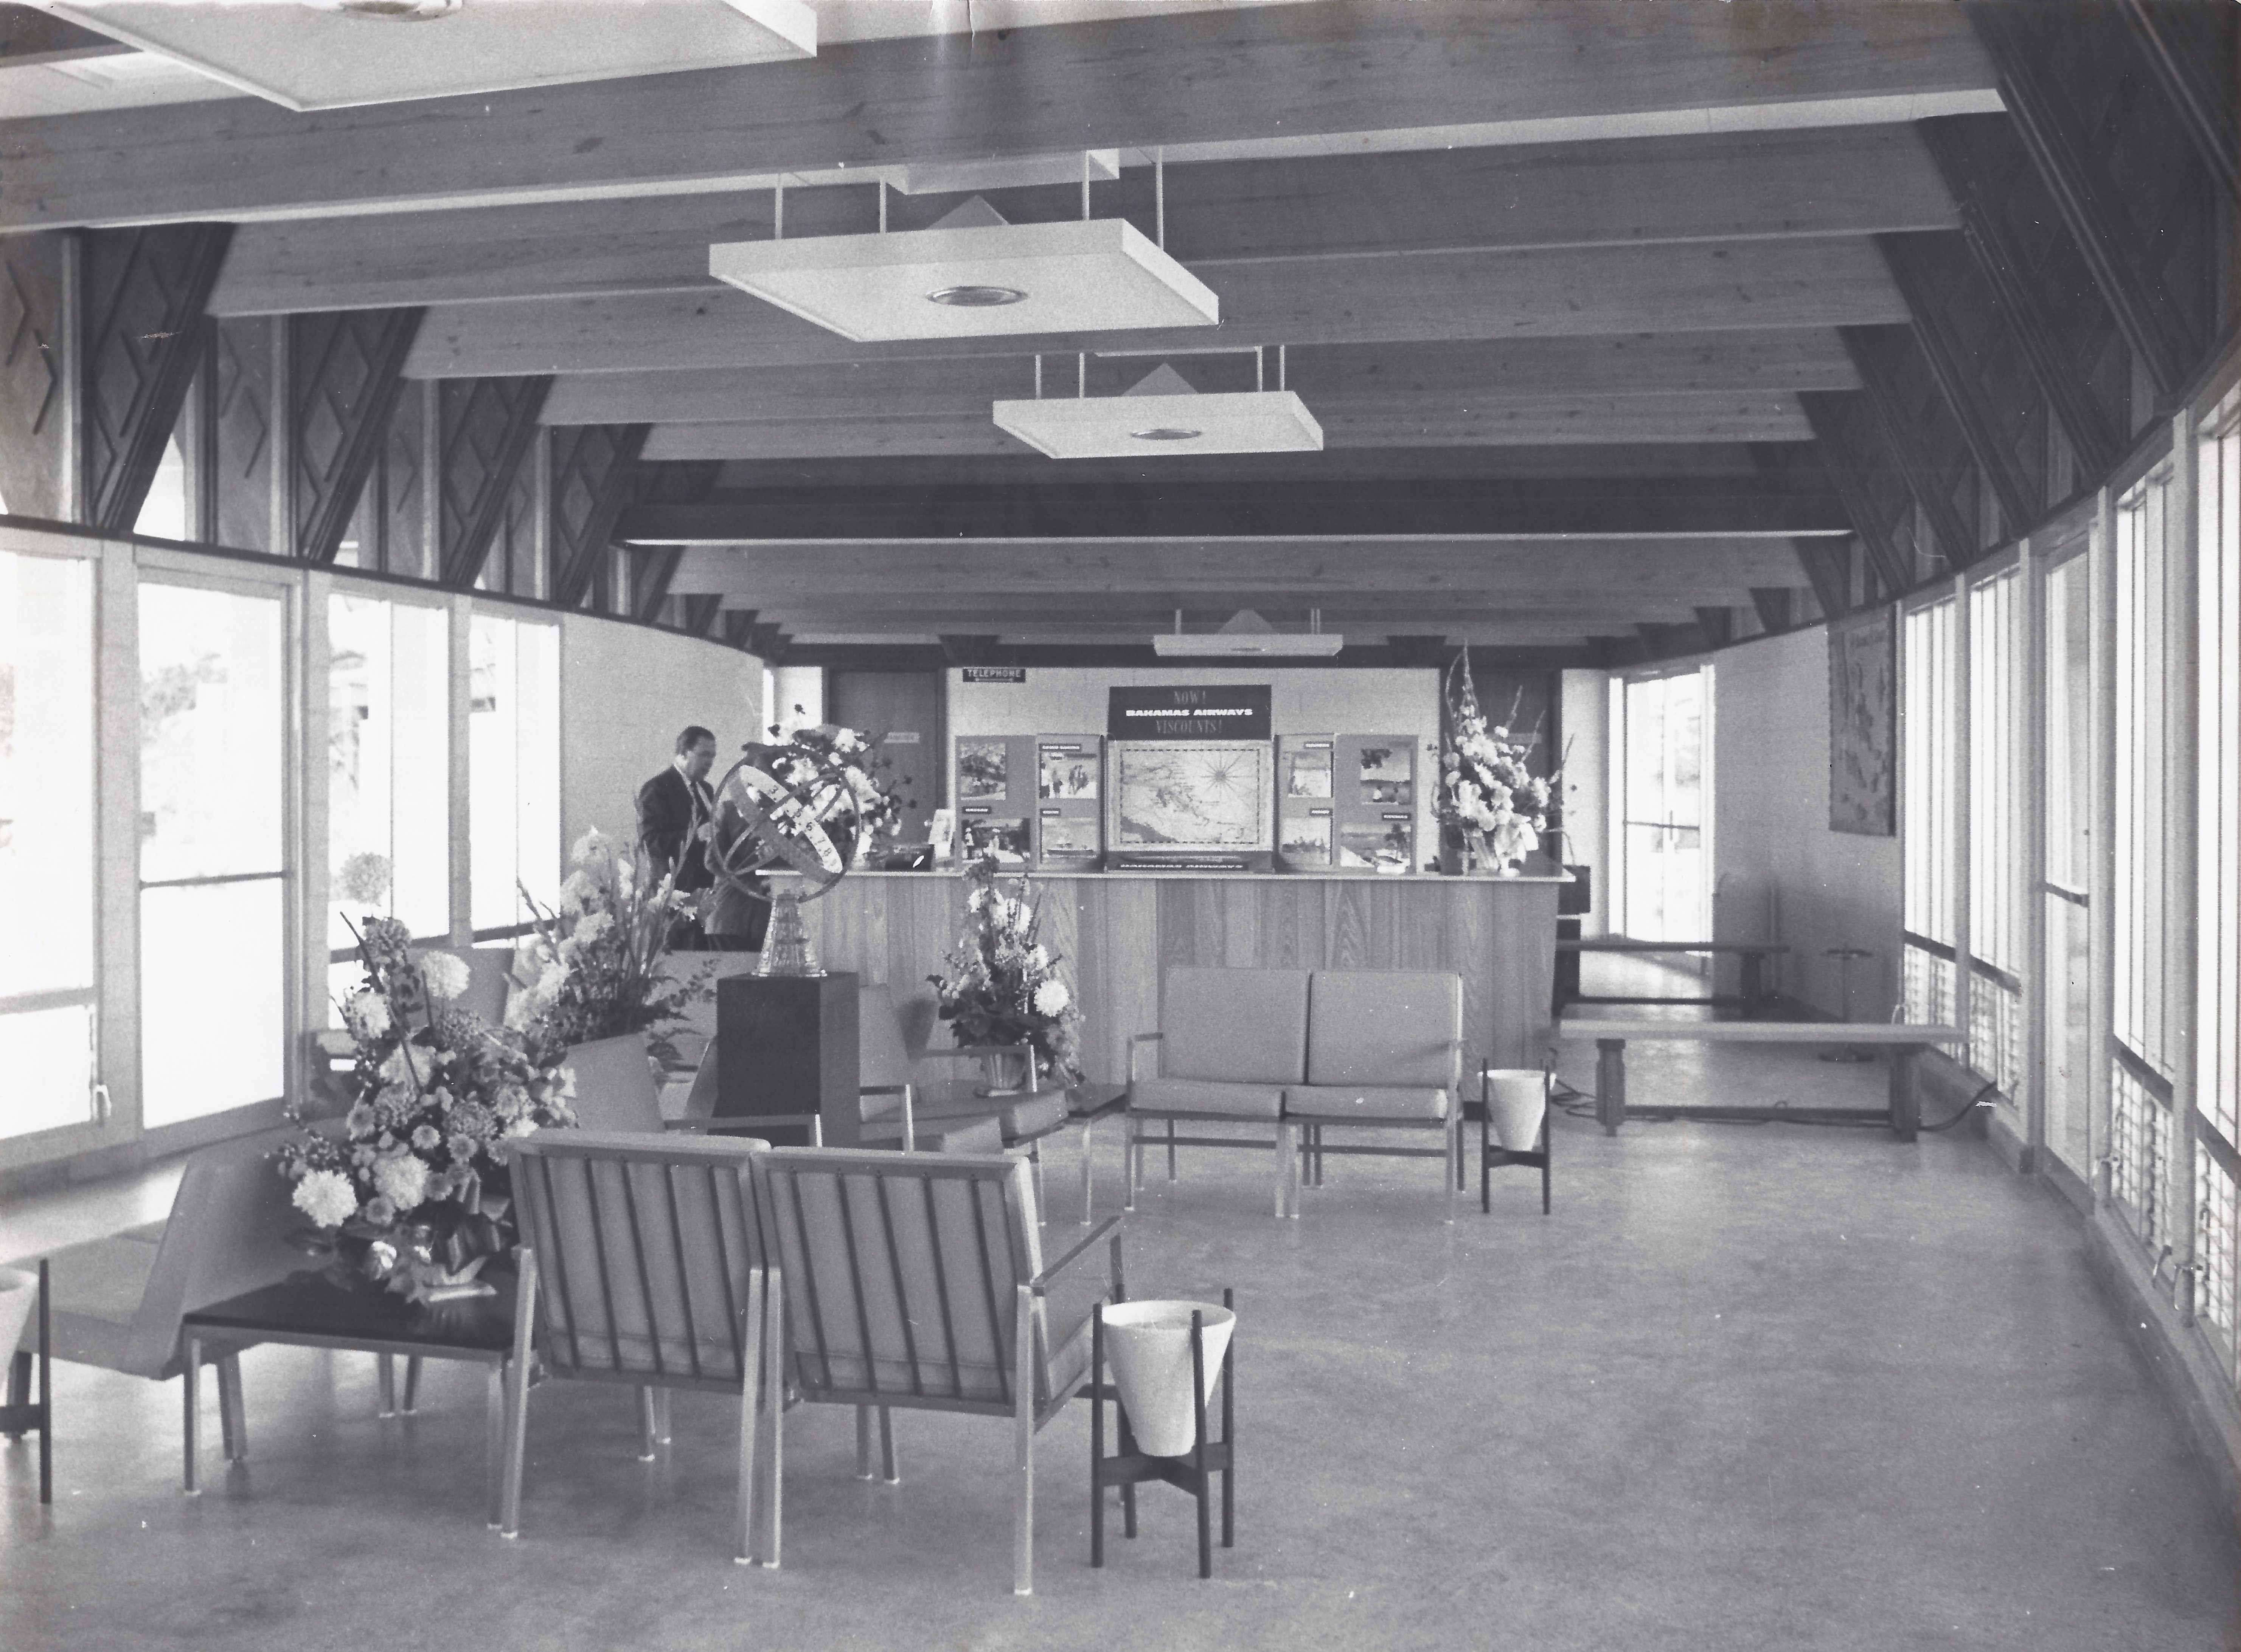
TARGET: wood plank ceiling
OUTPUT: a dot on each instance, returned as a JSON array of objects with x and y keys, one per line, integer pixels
[{"x": 1578, "y": 291}]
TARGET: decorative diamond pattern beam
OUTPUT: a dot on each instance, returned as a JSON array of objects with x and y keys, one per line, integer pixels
[
  {"x": 346, "y": 371},
  {"x": 484, "y": 427}
]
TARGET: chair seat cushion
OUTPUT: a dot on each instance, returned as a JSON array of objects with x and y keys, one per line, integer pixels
[
  {"x": 1399, "y": 1102},
  {"x": 1205, "y": 1095}
]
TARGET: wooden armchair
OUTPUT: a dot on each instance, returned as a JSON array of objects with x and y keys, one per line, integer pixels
[
  {"x": 641, "y": 1265},
  {"x": 918, "y": 1281}
]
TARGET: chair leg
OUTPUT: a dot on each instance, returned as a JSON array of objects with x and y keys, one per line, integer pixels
[
  {"x": 191, "y": 1391},
  {"x": 1132, "y": 1160},
  {"x": 751, "y": 1390},
  {"x": 888, "y": 1470},
  {"x": 1023, "y": 1445},
  {"x": 1035, "y": 1159},
  {"x": 384, "y": 1371},
  {"x": 233, "y": 1420},
  {"x": 517, "y": 1446},
  {"x": 412, "y": 1384},
  {"x": 494, "y": 1412},
  {"x": 19, "y": 1386},
  {"x": 1171, "y": 1149},
  {"x": 773, "y": 1408},
  {"x": 1284, "y": 1170},
  {"x": 1455, "y": 1145},
  {"x": 648, "y": 1429},
  {"x": 863, "y": 1442},
  {"x": 1088, "y": 1131}
]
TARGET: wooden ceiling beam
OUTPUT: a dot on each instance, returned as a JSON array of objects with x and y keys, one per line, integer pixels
[
  {"x": 1805, "y": 282},
  {"x": 1716, "y": 187},
  {"x": 1458, "y": 374},
  {"x": 1202, "y": 78},
  {"x": 1310, "y": 571},
  {"x": 1656, "y": 506},
  {"x": 1558, "y": 656}
]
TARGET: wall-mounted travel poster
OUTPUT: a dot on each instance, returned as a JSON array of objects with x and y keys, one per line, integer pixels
[
  {"x": 982, "y": 769},
  {"x": 1004, "y": 837},
  {"x": 1071, "y": 838},
  {"x": 1380, "y": 846},
  {"x": 1194, "y": 795},
  {"x": 1307, "y": 840},
  {"x": 1307, "y": 770},
  {"x": 1388, "y": 775},
  {"x": 1067, "y": 772}
]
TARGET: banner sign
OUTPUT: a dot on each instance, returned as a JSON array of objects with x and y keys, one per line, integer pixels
[{"x": 1226, "y": 711}]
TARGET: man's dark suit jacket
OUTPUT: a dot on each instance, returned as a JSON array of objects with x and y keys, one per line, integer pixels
[{"x": 665, "y": 819}]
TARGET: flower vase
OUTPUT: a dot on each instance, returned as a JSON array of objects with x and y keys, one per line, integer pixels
[
  {"x": 1008, "y": 1069},
  {"x": 1454, "y": 852}
]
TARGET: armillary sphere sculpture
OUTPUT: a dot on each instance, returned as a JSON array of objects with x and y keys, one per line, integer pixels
[{"x": 789, "y": 808}]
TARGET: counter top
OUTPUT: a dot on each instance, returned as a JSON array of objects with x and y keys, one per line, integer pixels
[{"x": 1402, "y": 879}]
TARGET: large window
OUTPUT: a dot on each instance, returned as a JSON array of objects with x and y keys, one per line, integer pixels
[
  {"x": 1928, "y": 688},
  {"x": 1666, "y": 894},
  {"x": 1994, "y": 835},
  {"x": 389, "y": 825},
  {"x": 213, "y": 816},
  {"x": 513, "y": 760},
  {"x": 2068, "y": 678},
  {"x": 46, "y": 843}
]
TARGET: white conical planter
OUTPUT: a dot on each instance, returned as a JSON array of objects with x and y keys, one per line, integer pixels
[
  {"x": 1516, "y": 1098},
  {"x": 19, "y": 1295},
  {"x": 1149, "y": 1346}
]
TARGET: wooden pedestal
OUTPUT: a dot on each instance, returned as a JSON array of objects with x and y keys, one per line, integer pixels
[{"x": 786, "y": 1047}]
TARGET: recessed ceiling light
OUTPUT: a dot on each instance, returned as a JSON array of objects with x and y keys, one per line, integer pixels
[
  {"x": 1167, "y": 433},
  {"x": 975, "y": 297},
  {"x": 389, "y": 10}
]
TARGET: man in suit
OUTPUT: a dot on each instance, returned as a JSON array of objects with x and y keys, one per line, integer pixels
[{"x": 675, "y": 808}]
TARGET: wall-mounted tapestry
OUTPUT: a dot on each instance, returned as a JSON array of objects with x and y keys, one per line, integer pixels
[{"x": 1864, "y": 725}]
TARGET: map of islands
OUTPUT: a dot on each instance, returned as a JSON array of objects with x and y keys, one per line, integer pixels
[{"x": 1195, "y": 796}]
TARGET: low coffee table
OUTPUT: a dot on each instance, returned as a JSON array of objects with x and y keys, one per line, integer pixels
[
  {"x": 936, "y": 1106},
  {"x": 311, "y": 1312}
]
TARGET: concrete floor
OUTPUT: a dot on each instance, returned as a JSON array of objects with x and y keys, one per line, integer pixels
[{"x": 1750, "y": 1387}]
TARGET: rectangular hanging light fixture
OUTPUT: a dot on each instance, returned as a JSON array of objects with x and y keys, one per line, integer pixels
[{"x": 1097, "y": 275}]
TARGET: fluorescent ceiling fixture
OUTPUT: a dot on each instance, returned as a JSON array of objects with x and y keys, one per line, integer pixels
[
  {"x": 1245, "y": 635},
  {"x": 1094, "y": 275},
  {"x": 1163, "y": 415},
  {"x": 955, "y": 177},
  {"x": 333, "y": 54}
]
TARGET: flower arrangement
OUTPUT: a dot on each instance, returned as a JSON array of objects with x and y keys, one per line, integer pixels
[
  {"x": 415, "y": 1177},
  {"x": 1001, "y": 986},
  {"x": 861, "y": 806},
  {"x": 599, "y": 948},
  {"x": 1485, "y": 790}
]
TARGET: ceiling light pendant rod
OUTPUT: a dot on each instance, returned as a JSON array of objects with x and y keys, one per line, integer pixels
[
  {"x": 1179, "y": 621},
  {"x": 883, "y": 206},
  {"x": 1160, "y": 196},
  {"x": 1085, "y": 186},
  {"x": 1260, "y": 367},
  {"x": 1281, "y": 350},
  {"x": 778, "y": 210},
  {"x": 1038, "y": 376},
  {"x": 1082, "y": 376}
]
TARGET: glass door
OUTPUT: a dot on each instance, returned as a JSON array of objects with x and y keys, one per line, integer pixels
[
  {"x": 1663, "y": 809},
  {"x": 47, "y": 1000},
  {"x": 213, "y": 816}
]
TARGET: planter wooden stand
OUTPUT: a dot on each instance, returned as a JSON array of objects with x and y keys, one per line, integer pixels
[{"x": 1193, "y": 1473}]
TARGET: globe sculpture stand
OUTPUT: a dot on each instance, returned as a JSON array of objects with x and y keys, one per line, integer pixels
[{"x": 786, "y": 808}]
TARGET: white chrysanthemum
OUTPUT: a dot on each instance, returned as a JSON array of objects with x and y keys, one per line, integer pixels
[
  {"x": 326, "y": 1196},
  {"x": 446, "y": 975},
  {"x": 551, "y": 979},
  {"x": 1052, "y": 998},
  {"x": 402, "y": 1178},
  {"x": 975, "y": 901},
  {"x": 591, "y": 926},
  {"x": 587, "y": 845},
  {"x": 368, "y": 1012}
]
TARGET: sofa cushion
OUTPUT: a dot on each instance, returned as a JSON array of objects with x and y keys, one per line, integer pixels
[
  {"x": 1385, "y": 1027},
  {"x": 1200, "y": 1095},
  {"x": 1234, "y": 1026},
  {"x": 1397, "y": 1102}
]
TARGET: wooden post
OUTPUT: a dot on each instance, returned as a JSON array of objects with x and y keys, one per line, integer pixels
[
  {"x": 2181, "y": 786},
  {"x": 2029, "y": 771},
  {"x": 2101, "y": 873},
  {"x": 1611, "y": 1083}
]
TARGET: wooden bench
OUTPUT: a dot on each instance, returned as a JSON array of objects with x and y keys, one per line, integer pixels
[
  {"x": 1905, "y": 1041},
  {"x": 1754, "y": 955}
]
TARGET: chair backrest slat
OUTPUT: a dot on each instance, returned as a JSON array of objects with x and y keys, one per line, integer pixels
[
  {"x": 646, "y": 1246},
  {"x": 902, "y": 1270}
]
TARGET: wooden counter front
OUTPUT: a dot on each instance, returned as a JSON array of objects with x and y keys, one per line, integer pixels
[{"x": 1117, "y": 932}]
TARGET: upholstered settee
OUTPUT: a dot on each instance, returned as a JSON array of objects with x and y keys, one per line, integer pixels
[{"x": 1300, "y": 1052}]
